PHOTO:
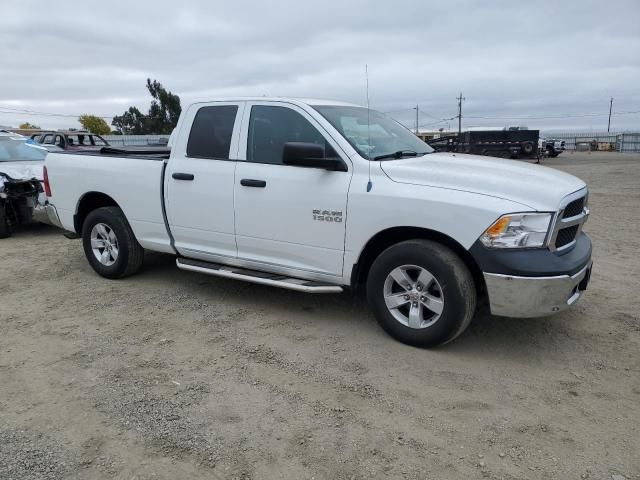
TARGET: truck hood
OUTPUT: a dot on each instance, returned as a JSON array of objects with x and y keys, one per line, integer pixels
[
  {"x": 23, "y": 170},
  {"x": 534, "y": 186}
]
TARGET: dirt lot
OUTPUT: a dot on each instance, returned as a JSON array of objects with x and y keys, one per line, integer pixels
[{"x": 173, "y": 375}]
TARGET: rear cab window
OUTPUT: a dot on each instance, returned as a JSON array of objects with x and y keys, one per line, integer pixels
[{"x": 211, "y": 132}]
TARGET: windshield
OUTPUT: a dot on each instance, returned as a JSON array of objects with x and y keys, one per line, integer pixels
[
  {"x": 372, "y": 133},
  {"x": 18, "y": 150}
]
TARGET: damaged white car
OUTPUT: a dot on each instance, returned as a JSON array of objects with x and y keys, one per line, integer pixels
[{"x": 22, "y": 197}]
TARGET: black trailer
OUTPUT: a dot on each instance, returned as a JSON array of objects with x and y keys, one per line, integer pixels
[{"x": 495, "y": 143}]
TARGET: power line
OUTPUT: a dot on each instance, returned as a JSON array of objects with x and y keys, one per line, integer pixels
[
  {"x": 12, "y": 110},
  {"x": 15, "y": 111},
  {"x": 398, "y": 111},
  {"x": 428, "y": 115},
  {"x": 536, "y": 117}
]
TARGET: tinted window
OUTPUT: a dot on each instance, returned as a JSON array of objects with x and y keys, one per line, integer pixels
[
  {"x": 271, "y": 127},
  {"x": 211, "y": 131}
]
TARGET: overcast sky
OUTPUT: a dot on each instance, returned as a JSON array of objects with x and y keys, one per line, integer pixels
[{"x": 561, "y": 60}]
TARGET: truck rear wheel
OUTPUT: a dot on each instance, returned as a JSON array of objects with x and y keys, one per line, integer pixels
[
  {"x": 109, "y": 243},
  {"x": 527, "y": 148},
  {"x": 421, "y": 293}
]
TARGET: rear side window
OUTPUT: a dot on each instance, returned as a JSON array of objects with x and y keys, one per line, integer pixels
[
  {"x": 270, "y": 127},
  {"x": 211, "y": 132}
]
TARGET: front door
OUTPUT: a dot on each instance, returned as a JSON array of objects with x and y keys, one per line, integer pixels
[
  {"x": 287, "y": 217},
  {"x": 199, "y": 181}
]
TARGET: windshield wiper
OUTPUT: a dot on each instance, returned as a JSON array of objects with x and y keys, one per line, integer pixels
[{"x": 399, "y": 154}]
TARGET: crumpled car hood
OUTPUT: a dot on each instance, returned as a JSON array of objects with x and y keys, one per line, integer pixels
[
  {"x": 535, "y": 186},
  {"x": 23, "y": 170}
]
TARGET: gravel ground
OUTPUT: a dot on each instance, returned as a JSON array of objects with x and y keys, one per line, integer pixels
[{"x": 169, "y": 375}]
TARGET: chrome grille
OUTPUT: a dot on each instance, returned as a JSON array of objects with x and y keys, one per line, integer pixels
[
  {"x": 568, "y": 224},
  {"x": 566, "y": 236},
  {"x": 574, "y": 208}
]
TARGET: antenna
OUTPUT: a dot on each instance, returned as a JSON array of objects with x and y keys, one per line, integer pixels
[{"x": 366, "y": 74}]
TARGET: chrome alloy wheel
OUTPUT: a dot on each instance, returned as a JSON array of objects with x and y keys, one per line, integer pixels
[
  {"x": 104, "y": 244},
  {"x": 413, "y": 296}
]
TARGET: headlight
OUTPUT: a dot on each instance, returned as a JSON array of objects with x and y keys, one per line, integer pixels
[{"x": 518, "y": 230}]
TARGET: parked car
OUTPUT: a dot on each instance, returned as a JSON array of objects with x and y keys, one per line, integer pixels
[
  {"x": 71, "y": 140},
  {"x": 320, "y": 197},
  {"x": 22, "y": 198}
]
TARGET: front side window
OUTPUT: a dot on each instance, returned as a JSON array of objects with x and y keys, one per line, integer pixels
[
  {"x": 270, "y": 127},
  {"x": 211, "y": 132},
  {"x": 97, "y": 140},
  {"x": 372, "y": 133},
  {"x": 48, "y": 139}
]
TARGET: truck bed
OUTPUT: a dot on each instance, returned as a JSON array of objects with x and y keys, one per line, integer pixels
[
  {"x": 143, "y": 152},
  {"x": 132, "y": 177}
]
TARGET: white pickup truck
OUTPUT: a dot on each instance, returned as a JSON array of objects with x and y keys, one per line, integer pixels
[{"x": 320, "y": 196}]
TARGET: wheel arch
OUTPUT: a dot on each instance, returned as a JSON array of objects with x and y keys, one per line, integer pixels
[
  {"x": 386, "y": 238},
  {"x": 88, "y": 203}
]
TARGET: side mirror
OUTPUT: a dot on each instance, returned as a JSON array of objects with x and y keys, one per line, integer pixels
[{"x": 310, "y": 155}]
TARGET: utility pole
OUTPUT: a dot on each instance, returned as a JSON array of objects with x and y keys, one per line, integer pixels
[
  {"x": 460, "y": 99},
  {"x": 417, "y": 118},
  {"x": 610, "y": 108}
]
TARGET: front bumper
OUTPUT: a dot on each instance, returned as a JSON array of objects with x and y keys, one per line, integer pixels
[{"x": 513, "y": 296}]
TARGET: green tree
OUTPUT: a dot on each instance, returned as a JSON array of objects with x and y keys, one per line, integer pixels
[
  {"x": 28, "y": 126},
  {"x": 131, "y": 122},
  {"x": 94, "y": 124},
  {"x": 165, "y": 108},
  {"x": 162, "y": 117}
]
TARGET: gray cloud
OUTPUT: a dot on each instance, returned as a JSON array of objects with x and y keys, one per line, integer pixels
[{"x": 526, "y": 61}]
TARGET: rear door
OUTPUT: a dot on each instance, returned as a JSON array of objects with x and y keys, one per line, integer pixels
[
  {"x": 288, "y": 219},
  {"x": 199, "y": 181}
]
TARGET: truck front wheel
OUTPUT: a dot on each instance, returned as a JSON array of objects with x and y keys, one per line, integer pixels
[
  {"x": 421, "y": 293},
  {"x": 109, "y": 243}
]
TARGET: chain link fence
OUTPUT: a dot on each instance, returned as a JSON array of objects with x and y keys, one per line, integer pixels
[{"x": 627, "y": 142}]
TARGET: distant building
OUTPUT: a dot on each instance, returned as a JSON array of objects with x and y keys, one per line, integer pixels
[{"x": 425, "y": 135}]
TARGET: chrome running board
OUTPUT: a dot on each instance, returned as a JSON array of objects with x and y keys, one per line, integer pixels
[{"x": 255, "y": 276}]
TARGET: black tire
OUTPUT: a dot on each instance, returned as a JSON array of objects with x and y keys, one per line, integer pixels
[
  {"x": 457, "y": 289},
  {"x": 5, "y": 231},
  {"x": 527, "y": 148},
  {"x": 130, "y": 253}
]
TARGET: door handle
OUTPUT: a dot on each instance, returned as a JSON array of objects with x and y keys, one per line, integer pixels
[
  {"x": 248, "y": 182},
  {"x": 182, "y": 176}
]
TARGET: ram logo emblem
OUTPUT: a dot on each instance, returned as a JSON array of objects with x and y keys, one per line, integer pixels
[{"x": 331, "y": 216}]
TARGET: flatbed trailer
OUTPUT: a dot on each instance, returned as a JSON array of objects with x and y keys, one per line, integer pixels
[{"x": 494, "y": 143}]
